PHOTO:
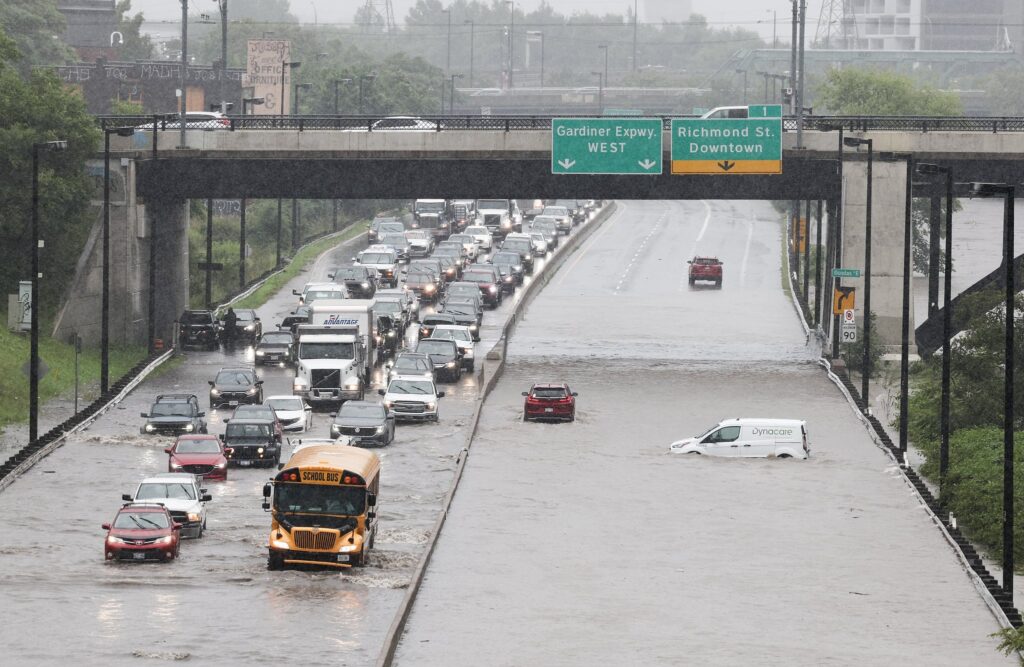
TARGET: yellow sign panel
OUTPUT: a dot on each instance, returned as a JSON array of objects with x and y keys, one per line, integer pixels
[
  {"x": 726, "y": 166},
  {"x": 844, "y": 298}
]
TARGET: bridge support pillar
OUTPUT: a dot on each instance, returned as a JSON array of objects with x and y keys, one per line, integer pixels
[
  {"x": 888, "y": 201},
  {"x": 167, "y": 222}
]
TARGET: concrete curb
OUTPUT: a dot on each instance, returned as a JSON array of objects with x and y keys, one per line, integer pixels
[{"x": 494, "y": 365}]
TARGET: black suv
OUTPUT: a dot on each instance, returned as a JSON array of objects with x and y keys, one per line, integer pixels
[
  {"x": 276, "y": 347},
  {"x": 300, "y": 315},
  {"x": 173, "y": 414},
  {"x": 251, "y": 442},
  {"x": 234, "y": 386},
  {"x": 359, "y": 281},
  {"x": 198, "y": 328},
  {"x": 428, "y": 322},
  {"x": 247, "y": 326},
  {"x": 444, "y": 355},
  {"x": 365, "y": 423}
]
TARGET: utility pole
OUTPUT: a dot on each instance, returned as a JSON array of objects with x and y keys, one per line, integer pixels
[
  {"x": 635, "y": 67},
  {"x": 799, "y": 92},
  {"x": 184, "y": 68},
  {"x": 223, "y": 5}
]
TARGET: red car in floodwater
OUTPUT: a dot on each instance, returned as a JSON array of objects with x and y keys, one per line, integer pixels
[
  {"x": 200, "y": 454},
  {"x": 142, "y": 532},
  {"x": 553, "y": 401},
  {"x": 707, "y": 269}
]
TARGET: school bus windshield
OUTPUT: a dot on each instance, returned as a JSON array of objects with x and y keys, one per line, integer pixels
[{"x": 320, "y": 499}]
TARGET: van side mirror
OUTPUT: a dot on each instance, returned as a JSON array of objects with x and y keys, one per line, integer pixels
[
  {"x": 210, "y": 382},
  {"x": 105, "y": 526},
  {"x": 168, "y": 450},
  {"x": 266, "y": 490},
  {"x": 205, "y": 498},
  {"x": 144, "y": 415},
  {"x": 296, "y": 292},
  {"x": 280, "y": 466},
  {"x": 266, "y": 507},
  {"x": 575, "y": 394},
  {"x": 526, "y": 393},
  {"x": 126, "y": 497},
  {"x": 371, "y": 499},
  {"x": 440, "y": 394},
  {"x": 382, "y": 392}
]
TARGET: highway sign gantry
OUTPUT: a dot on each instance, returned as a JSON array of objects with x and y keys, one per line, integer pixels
[
  {"x": 726, "y": 145},
  {"x": 606, "y": 146}
]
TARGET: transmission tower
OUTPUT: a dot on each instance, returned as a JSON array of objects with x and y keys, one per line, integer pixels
[
  {"x": 837, "y": 25},
  {"x": 383, "y": 11}
]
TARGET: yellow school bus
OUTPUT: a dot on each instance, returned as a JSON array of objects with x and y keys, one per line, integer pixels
[{"x": 321, "y": 505}]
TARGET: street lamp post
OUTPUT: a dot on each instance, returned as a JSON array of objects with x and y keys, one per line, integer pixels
[
  {"x": 635, "y": 66},
  {"x": 105, "y": 289},
  {"x": 451, "y": 98},
  {"x": 336, "y": 82},
  {"x": 250, "y": 102},
  {"x": 512, "y": 28},
  {"x": 836, "y": 227},
  {"x": 223, "y": 6},
  {"x": 471, "y": 26},
  {"x": 298, "y": 87},
  {"x": 362, "y": 78},
  {"x": 1007, "y": 192},
  {"x": 184, "y": 71},
  {"x": 287, "y": 67},
  {"x": 448, "y": 55},
  {"x": 540, "y": 34},
  {"x": 600, "y": 91},
  {"x": 866, "y": 359},
  {"x": 33, "y": 361},
  {"x": 947, "y": 322},
  {"x": 744, "y": 73},
  {"x": 604, "y": 47}
]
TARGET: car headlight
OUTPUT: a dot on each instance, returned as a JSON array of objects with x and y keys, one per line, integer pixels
[
  {"x": 351, "y": 385},
  {"x": 175, "y": 464},
  {"x": 472, "y": 327},
  {"x": 508, "y": 279},
  {"x": 260, "y": 353},
  {"x": 249, "y": 327},
  {"x": 364, "y": 285},
  {"x": 335, "y": 431},
  {"x": 167, "y": 539},
  {"x": 251, "y": 390},
  {"x": 380, "y": 429},
  {"x": 469, "y": 353},
  {"x": 214, "y": 392},
  {"x": 150, "y": 428},
  {"x": 429, "y": 288},
  {"x": 450, "y": 271},
  {"x": 221, "y": 465},
  {"x": 390, "y": 404},
  {"x": 299, "y": 384},
  {"x": 517, "y": 267},
  {"x": 280, "y": 544},
  {"x": 377, "y": 339},
  {"x": 450, "y": 364},
  {"x": 391, "y": 334},
  {"x": 259, "y": 451},
  {"x": 348, "y": 548},
  {"x": 193, "y": 516},
  {"x": 189, "y": 428},
  {"x": 431, "y": 406},
  {"x": 114, "y": 540},
  {"x": 492, "y": 289}
]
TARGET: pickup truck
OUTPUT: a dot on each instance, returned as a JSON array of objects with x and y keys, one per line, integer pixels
[{"x": 707, "y": 269}]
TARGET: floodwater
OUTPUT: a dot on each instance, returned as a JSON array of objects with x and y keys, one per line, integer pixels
[
  {"x": 587, "y": 543},
  {"x": 216, "y": 604}
]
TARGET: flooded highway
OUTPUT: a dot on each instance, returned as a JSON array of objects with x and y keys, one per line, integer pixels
[
  {"x": 588, "y": 543},
  {"x": 216, "y": 604}
]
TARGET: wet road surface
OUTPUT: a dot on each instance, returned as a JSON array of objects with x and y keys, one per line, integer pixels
[
  {"x": 217, "y": 604},
  {"x": 587, "y": 543}
]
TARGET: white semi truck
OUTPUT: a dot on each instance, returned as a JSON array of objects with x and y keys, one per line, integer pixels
[{"x": 336, "y": 351}]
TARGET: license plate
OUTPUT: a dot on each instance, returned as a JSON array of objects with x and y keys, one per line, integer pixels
[
  {"x": 549, "y": 409},
  {"x": 138, "y": 555},
  {"x": 245, "y": 463},
  {"x": 342, "y": 558},
  {"x": 232, "y": 403}
]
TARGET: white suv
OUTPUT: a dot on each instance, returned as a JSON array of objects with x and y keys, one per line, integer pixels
[
  {"x": 179, "y": 492},
  {"x": 412, "y": 398},
  {"x": 384, "y": 260}
]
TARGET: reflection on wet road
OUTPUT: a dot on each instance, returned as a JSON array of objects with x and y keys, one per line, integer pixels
[{"x": 587, "y": 543}]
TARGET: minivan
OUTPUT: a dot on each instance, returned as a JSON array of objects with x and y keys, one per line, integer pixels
[{"x": 749, "y": 437}]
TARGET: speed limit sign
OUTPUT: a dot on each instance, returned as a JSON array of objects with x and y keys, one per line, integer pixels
[{"x": 848, "y": 330}]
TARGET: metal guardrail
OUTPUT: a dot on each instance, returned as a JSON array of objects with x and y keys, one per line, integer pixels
[{"x": 520, "y": 123}]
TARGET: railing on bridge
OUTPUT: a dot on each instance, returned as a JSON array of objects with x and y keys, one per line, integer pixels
[{"x": 519, "y": 123}]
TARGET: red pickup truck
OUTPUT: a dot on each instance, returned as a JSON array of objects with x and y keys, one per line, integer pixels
[{"x": 706, "y": 268}]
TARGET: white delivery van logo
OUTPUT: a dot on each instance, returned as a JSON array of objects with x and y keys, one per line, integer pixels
[
  {"x": 334, "y": 319},
  {"x": 773, "y": 431}
]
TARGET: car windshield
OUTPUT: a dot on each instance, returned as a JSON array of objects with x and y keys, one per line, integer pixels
[
  {"x": 544, "y": 227},
  {"x": 277, "y": 339},
  {"x": 319, "y": 499},
  {"x": 416, "y": 234},
  {"x": 363, "y": 411},
  {"x": 429, "y": 206},
  {"x": 519, "y": 245},
  {"x": 555, "y": 210},
  {"x": 377, "y": 258},
  {"x": 419, "y": 277},
  {"x": 235, "y": 430},
  {"x": 196, "y": 318},
  {"x": 478, "y": 276},
  {"x": 349, "y": 273},
  {"x": 435, "y": 346},
  {"x": 171, "y": 410},
  {"x": 166, "y": 490},
  {"x": 462, "y": 238},
  {"x": 234, "y": 377},
  {"x": 451, "y": 334},
  {"x": 459, "y": 309},
  {"x": 314, "y": 294},
  {"x": 245, "y": 316},
  {"x": 197, "y": 446},
  {"x": 392, "y": 239},
  {"x": 705, "y": 260},
  {"x": 549, "y": 392},
  {"x": 478, "y": 230},
  {"x": 492, "y": 203},
  {"x": 327, "y": 351},
  {"x": 141, "y": 520},
  {"x": 392, "y": 227},
  {"x": 408, "y": 364},
  {"x": 261, "y": 411},
  {"x": 288, "y": 403},
  {"x": 387, "y": 307},
  {"x": 465, "y": 290},
  {"x": 420, "y": 387},
  {"x": 544, "y": 220}
]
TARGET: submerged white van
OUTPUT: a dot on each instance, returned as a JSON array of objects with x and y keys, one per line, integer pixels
[{"x": 749, "y": 437}]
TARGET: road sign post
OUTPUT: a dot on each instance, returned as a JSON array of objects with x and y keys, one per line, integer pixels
[
  {"x": 726, "y": 145},
  {"x": 606, "y": 146}
]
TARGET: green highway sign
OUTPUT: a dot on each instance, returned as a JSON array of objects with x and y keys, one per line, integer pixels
[
  {"x": 764, "y": 111},
  {"x": 846, "y": 273},
  {"x": 727, "y": 145},
  {"x": 606, "y": 145}
]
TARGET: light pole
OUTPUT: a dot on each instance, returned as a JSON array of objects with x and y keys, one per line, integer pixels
[
  {"x": 298, "y": 87},
  {"x": 947, "y": 321},
  {"x": 448, "y": 56},
  {"x": 540, "y": 34},
  {"x": 286, "y": 68},
  {"x": 184, "y": 71},
  {"x": 635, "y": 2},
  {"x": 362, "y": 78},
  {"x": 1007, "y": 192},
  {"x": 744, "y": 73},
  {"x": 336, "y": 82},
  {"x": 604, "y": 47},
  {"x": 33, "y": 360},
  {"x": 798, "y": 92},
  {"x": 854, "y": 142},
  {"x": 451, "y": 98},
  {"x": 600, "y": 91},
  {"x": 471, "y": 26},
  {"x": 512, "y": 28},
  {"x": 105, "y": 289},
  {"x": 251, "y": 102},
  {"x": 766, "y": 75},
  {"x": 223, "y": 6}
]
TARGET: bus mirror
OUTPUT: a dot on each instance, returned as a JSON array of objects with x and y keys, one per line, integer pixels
[
  {"x": 266, "y": 490},
  {"x": 266, "y": 506},
  {"x": 280, "y": 466},
  {"x": 371, "y": 499}
]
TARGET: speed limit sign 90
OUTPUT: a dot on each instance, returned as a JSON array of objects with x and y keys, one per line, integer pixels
[{"x": 848, "y": 330}]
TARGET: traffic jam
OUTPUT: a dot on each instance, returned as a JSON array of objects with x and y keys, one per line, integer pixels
[{"x": 372, "y": 348}]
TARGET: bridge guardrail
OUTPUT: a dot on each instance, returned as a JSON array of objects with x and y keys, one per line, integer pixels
[{"x": 514, "y": 123}]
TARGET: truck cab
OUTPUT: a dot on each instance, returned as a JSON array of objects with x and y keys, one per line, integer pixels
[
  {"x": 499, "y": 216},
  {"x": 431, "y": 215},
  {"x": 328, "y": 368}
]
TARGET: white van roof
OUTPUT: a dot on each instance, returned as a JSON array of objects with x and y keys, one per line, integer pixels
[{"x": 751, "y": 421}]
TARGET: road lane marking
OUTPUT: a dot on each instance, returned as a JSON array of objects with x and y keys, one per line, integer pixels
[
  {"x": 636, "y": 255},
  {"x": 746, "y": 252},
  {"x": 621, "y": 209}
]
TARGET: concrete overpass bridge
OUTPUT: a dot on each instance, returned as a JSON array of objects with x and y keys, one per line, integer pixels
[{"x": 469, "y": 157}]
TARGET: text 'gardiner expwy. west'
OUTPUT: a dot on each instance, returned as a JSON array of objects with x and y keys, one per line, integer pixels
[{"x": 617, "y": 132}]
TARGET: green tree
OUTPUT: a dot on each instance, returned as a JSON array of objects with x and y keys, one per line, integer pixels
[
  {"x": 36, "y": 28},
  {"x": 136, "y": 45},
  {"x": 872, "y": 92},
  {"x": 1005, "y": 91},
  {"x": 38, "y": 109}
]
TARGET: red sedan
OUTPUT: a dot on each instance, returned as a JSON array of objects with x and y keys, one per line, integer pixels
[
  {"x": 550, "y": 401},
  {"x": 142, "y": 532},
  {"x": 200, "y": 454}
]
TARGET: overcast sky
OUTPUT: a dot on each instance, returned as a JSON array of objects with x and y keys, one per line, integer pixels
[{"x": 719, "y": 12}]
